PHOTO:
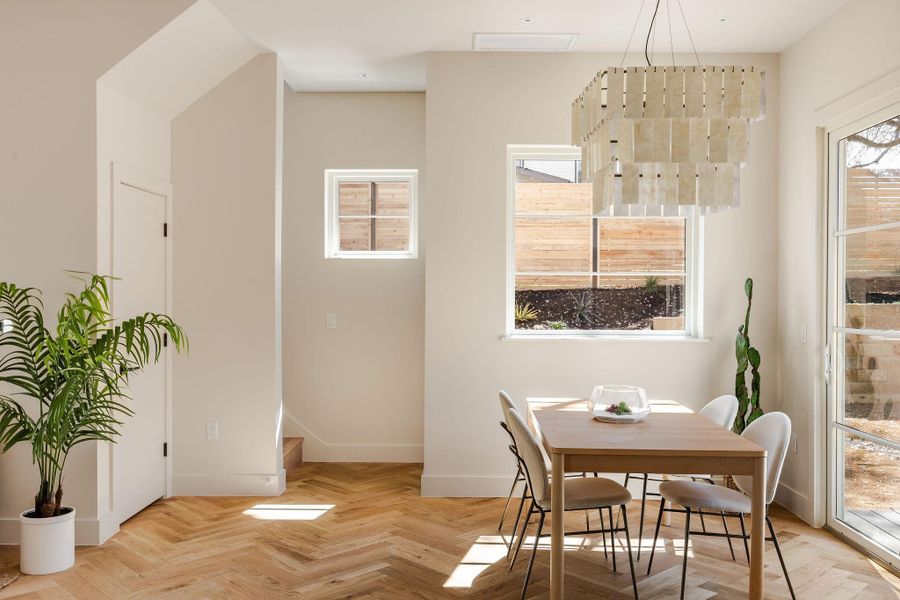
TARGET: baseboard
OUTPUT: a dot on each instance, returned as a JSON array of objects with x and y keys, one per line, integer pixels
[
  {"x": 229, "y": 485},
  {"x": 88, "y": 532},
  {"x": 315, "y": 449},
  {"x": 794, "y": 501},
  {"x": 466, "y": 486}
]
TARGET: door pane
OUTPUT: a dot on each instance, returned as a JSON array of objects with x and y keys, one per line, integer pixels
[
  {"x": 872, "y": 385},
  {"x": 872, "y": 186},
  {"x": 870, "y": 489}
]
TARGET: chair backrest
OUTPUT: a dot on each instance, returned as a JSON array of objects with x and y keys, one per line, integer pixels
[
  {"x": 530, "y": 452},
  {"x": 722, "y": 411},
  {"x": 506, "y": 405},
  {"x": 772, "y": 431}
]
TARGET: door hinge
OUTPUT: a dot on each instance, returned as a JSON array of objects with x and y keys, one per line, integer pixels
[
  {"x": 165, "y": 230},
  {"x": 165, "y": 340},
  {"x": 165, "y": 448}
]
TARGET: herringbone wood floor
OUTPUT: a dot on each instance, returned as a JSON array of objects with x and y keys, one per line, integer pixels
[{"x": 381, "y": 540}]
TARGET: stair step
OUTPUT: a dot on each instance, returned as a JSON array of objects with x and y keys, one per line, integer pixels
[{"x": 292, "y": 448}]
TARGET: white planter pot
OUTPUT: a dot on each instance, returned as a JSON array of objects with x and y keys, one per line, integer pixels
[{"x": 46, "y": 545}]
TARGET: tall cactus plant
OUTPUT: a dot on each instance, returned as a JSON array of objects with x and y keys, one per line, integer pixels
[{"x": 748, "y": 403}]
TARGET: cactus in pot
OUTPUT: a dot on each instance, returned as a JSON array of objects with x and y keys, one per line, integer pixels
[{"x": 747, "y": 356}]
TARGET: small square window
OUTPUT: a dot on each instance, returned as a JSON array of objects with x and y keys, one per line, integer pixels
[{"x": 370, "y": 213}]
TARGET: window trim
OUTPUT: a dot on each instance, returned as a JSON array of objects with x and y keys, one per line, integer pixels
[
  {"x": 693, "y": 273},
  {"x": 333, "y": 179}
]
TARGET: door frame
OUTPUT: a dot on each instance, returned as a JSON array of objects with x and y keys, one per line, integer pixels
[
  {"x": 834, "y": 132},
  {"x": 126, "y": 175}
]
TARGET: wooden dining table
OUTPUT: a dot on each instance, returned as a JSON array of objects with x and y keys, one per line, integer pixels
[{"x": 672, "y": 439}]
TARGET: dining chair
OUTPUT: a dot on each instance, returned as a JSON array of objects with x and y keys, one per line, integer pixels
[
  {"x": 583, "y": 493},
  {"x": 507, "y": 405},
  {"x": 772, "y": 431},
  {"x": 721, "y": 411}
]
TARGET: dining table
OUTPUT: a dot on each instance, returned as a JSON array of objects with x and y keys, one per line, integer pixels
[{"x": 671, "y": 440}]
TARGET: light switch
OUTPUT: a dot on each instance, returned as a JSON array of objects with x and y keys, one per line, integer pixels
[
  {"x": 212, "y": 430},
  {"x": 331, "y": 321},
  {"x": 802, "y": 333}
]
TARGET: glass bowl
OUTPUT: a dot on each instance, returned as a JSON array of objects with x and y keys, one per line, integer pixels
[{"x": 634, "y": 399}]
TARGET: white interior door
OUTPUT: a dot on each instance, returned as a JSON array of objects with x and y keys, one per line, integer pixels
[{"x": 139, "y": 263}]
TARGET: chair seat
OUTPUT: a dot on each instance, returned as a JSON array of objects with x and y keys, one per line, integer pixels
[
  {"x": 693, "y": 494},
  {"x": 590, "y": 492}
]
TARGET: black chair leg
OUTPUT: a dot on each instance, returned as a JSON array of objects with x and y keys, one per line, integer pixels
[
  {"x": 603, "y": 533},
  {"x": 612, "y": 538},
  {"x": 780, "y": 557},
  {"x": 512, "y": 537},
  {"x": 744, "y": 535},
  {"x": 662, "y": 506},
  {"x": 687, "y": 535},
  {"x": 725, "y": 525},
  {"x": 537, "y": 540},
  {"x": 512, "y": 563},
  {"x": 702, "y": 522},
  {"x": 509, "y": 499},
  {"x": 643, "y": 504},
  {"x": 628, "y": 545}
]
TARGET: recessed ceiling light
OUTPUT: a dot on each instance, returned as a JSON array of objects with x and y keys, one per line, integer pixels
[
  {"x": 363, "y": 75},
  {"x": 724, "y": 20},
  {"x": 527, "y": 19}
]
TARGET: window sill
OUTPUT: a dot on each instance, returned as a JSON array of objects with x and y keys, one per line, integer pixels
[{"x": 602, "y": 337}]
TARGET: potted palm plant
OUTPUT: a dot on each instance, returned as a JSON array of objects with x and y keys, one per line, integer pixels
[{"x": 64, "y": 386}]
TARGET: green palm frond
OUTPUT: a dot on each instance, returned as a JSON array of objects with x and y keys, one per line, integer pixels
[{"x": 77, "y": 375}]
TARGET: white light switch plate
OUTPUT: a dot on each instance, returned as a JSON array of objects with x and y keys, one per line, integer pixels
[
  {"x": 795, "y": 444},
  {"x": 803, "y": 333},
  {"x": 212, "y": 431},
  {"x": 331, "y": 321}
]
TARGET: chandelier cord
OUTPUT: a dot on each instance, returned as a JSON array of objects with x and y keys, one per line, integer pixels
[
  {"x": 671, "y": 42},
  {"x": 633, "y": 29},
  {"x": 649, "y": 33},
  {"x": 690, "y": 37}
]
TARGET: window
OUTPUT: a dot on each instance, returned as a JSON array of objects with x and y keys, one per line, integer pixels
[
  {"x": 570, "y": 272},
  {"x": 370, "y": 213}
]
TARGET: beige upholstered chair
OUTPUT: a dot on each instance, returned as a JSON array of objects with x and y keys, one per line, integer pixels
[{"x": 771, "y": 431}]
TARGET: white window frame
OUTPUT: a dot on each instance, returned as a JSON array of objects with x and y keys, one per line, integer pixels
[
  {"x": 692, "y": 273},
  {"x": 333, "y": 179}
]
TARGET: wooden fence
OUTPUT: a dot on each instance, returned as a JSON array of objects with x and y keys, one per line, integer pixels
[{"x": 555, "y": 233}]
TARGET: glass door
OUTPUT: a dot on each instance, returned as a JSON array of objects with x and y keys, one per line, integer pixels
[{"x": 863, "y": 353}]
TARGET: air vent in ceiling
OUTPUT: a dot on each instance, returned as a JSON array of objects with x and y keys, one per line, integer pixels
[{"x": 524, "y": 42}]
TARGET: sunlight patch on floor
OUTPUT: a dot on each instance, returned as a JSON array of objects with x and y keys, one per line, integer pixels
[
  {"x": 288, "y": 512},
  {"x": 487, "y": 550}
]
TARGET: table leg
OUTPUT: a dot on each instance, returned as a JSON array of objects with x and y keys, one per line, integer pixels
[
  {"x": 757, "y": 528},
  {"x": 557, "y": 519}
]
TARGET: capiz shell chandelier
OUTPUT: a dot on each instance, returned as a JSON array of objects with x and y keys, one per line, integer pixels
[{"x": 666, "y": 141}]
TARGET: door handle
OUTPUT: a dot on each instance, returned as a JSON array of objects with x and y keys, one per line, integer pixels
[{"x": 827, "y": 365}]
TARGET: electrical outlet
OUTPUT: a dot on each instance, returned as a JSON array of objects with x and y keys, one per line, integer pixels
[
  {"x": 212, "y": 431},
  {"x": 331, "y": 321},
  {"x": 795, "y": 444}
]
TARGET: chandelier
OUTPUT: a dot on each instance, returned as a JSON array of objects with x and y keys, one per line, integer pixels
[{"x": 666, "y": 140}]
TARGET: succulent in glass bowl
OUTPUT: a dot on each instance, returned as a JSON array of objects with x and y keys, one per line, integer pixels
[{"x": 619, "y": 403}]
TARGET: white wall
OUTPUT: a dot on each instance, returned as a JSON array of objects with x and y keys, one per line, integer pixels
[
  {"x": 856, "y": 46},
  {"x": 477, "y": 103},
  {"x": 354, "y": 392},
  {"x": 51, "y": 55},
  {"x": 226, "y": 187}
]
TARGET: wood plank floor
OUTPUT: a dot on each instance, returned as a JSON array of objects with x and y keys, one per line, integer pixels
[{"x": 382, "y": 541}]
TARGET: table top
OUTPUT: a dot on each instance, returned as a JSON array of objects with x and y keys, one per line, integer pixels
[{"x": 671, "y": 429}]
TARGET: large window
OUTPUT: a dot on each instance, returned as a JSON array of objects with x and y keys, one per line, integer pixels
[
  {"x": 370, "y": 213},
  {"x": 571, "y": 272}
]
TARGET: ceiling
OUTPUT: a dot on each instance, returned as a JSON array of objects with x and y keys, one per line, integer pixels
[{"x": 329, "y": 45}]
